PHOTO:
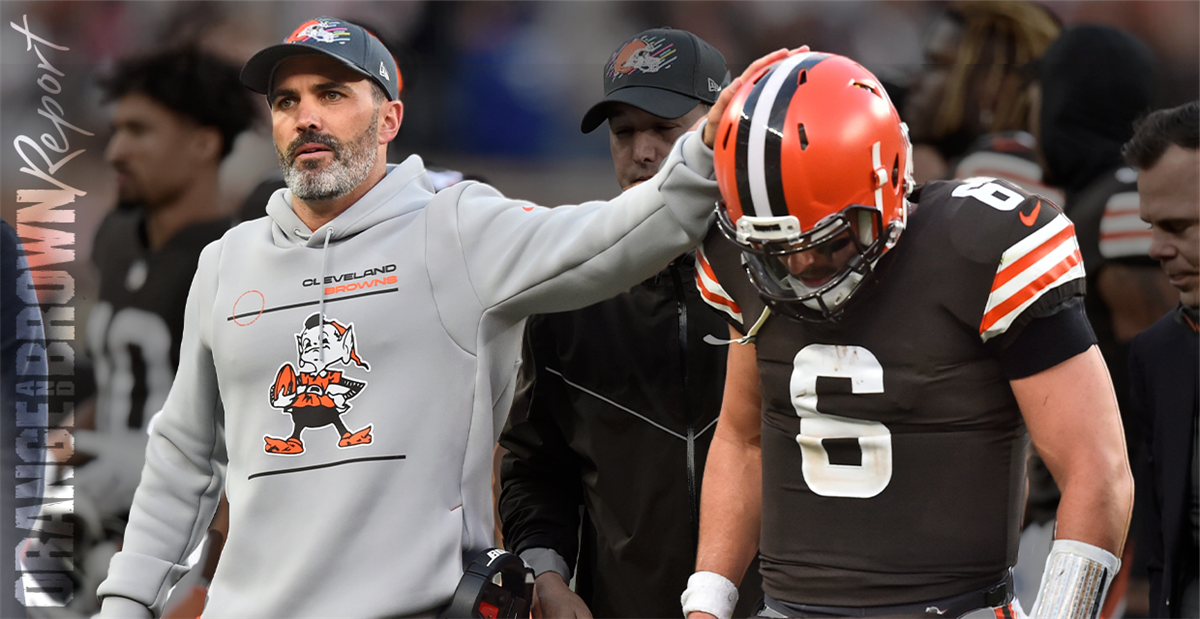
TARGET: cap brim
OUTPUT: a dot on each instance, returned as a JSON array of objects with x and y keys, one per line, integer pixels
[
  {"x": 656, "y": 101},
  {"x": 257, "y": 73}
]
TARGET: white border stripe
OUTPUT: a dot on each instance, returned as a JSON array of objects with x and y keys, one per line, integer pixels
[
  {"x": 1126, "y": 200},
  {"x": 1004, "y": 323},
  {"x": 714, "y": 287},
  {"x": 1123, "y": 224},
  {"x": 756, "y": 153},
  {"x": 1033, "y": 241},
  {"x": 1129, "y": 247},
  {"x": 1015, "y": 285}
]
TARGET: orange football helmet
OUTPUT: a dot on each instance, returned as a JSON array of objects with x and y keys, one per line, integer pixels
[{"x": 813, "y": 163}]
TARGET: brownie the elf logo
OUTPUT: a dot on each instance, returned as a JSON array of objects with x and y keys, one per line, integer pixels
[{"x": 314, "y": 394}]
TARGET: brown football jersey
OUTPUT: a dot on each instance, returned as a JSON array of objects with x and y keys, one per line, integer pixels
[{"x": 893, "y": 448}]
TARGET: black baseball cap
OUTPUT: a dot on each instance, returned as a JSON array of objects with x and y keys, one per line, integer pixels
[
  {"x": 663, "y": 71},
  {"x": 351, "y": 44}
]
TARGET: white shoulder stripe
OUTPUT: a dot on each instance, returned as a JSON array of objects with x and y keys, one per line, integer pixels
[
  {"x": 1030, "y": 243},
  {"x": 1045, "y": 260},
  {"x": 711, "y": 290}
]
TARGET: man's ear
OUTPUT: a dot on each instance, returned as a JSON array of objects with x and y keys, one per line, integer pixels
[
  {"x": 391, "y": 114},
  {"x": 207, "y": 143}
]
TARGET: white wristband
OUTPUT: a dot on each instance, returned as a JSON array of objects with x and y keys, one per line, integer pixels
[
  {"x": 711, "y": 593},
  {"x": 1075, "y": 581}
]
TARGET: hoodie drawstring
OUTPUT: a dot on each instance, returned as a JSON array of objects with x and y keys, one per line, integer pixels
[{"x": 321, "y": 303}]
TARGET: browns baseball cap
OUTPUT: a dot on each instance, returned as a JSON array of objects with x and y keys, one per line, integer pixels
[
  {"x": 663, "y": 71},
  {"x": 341, "y": 40}
]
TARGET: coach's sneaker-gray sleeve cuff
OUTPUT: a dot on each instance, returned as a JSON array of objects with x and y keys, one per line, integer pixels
[{"x": 544, "y": 560}]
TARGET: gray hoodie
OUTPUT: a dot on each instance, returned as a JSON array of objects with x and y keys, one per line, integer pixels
[{"x": 353, "y": 381}]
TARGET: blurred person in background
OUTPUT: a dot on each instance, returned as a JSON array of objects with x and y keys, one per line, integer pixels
[
  {"x": 973, "y": 84},
  {"x": 1092, "y": 83},
  {"x": 613, "y": 425},
  {"x": 176, "y": 115},
  {"x": 1165, "y": 361}
]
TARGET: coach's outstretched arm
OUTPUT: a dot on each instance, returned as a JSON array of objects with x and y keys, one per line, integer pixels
[{"x": 1072, "y": 415}]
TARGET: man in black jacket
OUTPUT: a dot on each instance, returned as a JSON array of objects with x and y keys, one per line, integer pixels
[
  {"x": 1165, "y": 360},
  {"x": 608, "y": 438}
]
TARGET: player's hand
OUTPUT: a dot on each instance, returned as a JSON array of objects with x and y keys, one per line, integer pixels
[
  {"x": 718, "y": 108},
  {"x": 553, "y": 599},
  {"x": 697, "y": 614}
]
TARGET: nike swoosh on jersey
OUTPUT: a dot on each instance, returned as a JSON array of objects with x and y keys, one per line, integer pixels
[
  {"x": 1042, "y": 261},
  {"x": 1031, "y": 218},
  {"x": 711, "y": 290}
]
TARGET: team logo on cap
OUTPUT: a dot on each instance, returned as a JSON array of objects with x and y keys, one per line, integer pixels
[
  {"x": 645, "y": 54},
  {"x": 320, "y": 31}
]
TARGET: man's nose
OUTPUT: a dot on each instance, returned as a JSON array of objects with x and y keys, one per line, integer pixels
[
  {"x": 647, "y": 149},
  {"x": 801, "y": 260},
  {"x": 115, "y": 151},
  {"x": 307, "y": 116},
  {"x": 1160, "y": 247}
]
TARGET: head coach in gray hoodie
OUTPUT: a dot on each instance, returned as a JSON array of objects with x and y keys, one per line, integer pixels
[{"x": 348, "y": 360}]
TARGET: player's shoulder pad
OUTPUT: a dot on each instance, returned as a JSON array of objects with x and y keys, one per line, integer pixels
[
  {"x": 1024, "y": 239},
  {"x": 985, "y": 216}
]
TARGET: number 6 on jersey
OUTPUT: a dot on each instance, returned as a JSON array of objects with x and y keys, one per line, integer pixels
[{"x": 874, "y": 471}]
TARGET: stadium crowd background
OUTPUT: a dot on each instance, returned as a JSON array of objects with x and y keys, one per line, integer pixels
[{"x": 491, "y": 88}]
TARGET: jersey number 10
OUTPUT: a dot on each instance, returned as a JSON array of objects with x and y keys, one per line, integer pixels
[{"x": 872, "y": 474}]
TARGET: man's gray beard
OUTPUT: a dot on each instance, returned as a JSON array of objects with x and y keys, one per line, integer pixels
[{"x": 352, "y": 162}]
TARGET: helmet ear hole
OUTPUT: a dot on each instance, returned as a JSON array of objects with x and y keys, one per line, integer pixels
[
  {"x": 803, "y": 136},
  {"x": 802, "y": 79},
  {"x": 896, "y": 172}
]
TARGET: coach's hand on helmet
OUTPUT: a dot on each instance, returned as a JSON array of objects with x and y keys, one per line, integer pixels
[
  {"x": 718, "y": 108},
  {"x": 553, "y": 599}
]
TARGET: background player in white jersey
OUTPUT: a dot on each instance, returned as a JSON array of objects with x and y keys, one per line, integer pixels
[{"x": 895, "y": 348}]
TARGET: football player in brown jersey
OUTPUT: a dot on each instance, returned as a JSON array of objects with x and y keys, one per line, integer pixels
[{"x": 898, "y": 346}]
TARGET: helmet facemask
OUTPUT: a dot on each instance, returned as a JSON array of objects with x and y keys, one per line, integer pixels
[{"x": 809, "y": 276}]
